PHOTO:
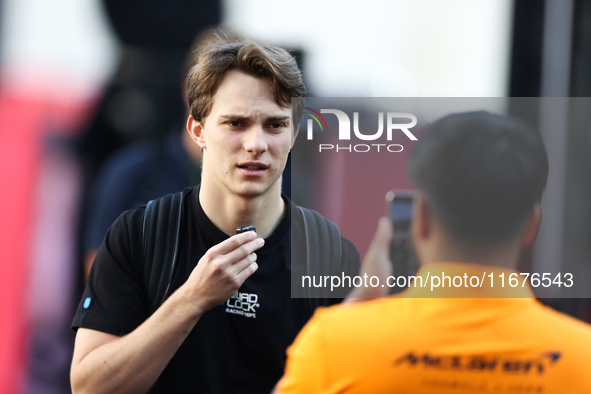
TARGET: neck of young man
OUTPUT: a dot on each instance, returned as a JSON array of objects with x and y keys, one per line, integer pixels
[
  {"x": 228, "y": 211},
  {"x": 444, "y": 249}
]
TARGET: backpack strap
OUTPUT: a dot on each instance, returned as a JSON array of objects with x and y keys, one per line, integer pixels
[
  {"x": 160, "y": 245},
  {"x": 323, "y": 250},
  {"x": 320, "y": 232}
]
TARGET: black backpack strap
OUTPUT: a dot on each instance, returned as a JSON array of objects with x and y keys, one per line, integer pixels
[
  {"x": 160, "y": 245},
  {"x": 323, "y": 240},
  {"x": 323, "y": 251}
]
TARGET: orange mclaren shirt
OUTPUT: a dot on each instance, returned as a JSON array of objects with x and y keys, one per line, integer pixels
[{"x": 411, "y": 344}]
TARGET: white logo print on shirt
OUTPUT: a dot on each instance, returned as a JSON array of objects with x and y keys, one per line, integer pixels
[{"x": 243, "y": 304}]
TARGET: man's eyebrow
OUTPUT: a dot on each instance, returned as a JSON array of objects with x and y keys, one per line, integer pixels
[
  {"x": 234, "y": 117},
  {"x": 244, "y": 117},
  {"x": 276, "y": 118}
]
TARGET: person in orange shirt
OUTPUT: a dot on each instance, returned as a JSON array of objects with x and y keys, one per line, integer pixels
[{"x": 479, "y": 179}]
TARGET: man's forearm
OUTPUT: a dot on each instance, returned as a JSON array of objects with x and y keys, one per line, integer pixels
[{"x": 132, "y": 363}]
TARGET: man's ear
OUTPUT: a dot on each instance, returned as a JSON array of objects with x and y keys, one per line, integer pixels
[
  {"x": 532, "y": 226},
  {"x": 195, "y": 129},
  {"x": 422, "y": 220}
]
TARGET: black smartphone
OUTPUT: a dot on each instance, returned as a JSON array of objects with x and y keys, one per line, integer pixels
[
  {"x": 243, "y": 229},
  {"x": 399, "y": 209}
]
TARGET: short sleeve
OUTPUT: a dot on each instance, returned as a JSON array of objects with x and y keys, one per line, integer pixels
[
  {"x": 113, "y": 301},
  {"x": 304, "y": 370}
]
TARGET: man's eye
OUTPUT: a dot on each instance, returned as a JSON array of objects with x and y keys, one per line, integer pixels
[
  {"x": 277, "y": 125},
  {"x": 235, "y": 123}
]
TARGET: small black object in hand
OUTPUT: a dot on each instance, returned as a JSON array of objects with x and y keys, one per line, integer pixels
[{"x": 246, "y": 228}]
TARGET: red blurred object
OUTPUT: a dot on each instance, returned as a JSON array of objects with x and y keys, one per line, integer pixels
[
  {"x": 21, "y": 126},
  {"x": 27, "y": 116}
]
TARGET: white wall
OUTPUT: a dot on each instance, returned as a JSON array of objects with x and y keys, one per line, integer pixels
[
  {"x": 52, "y": 42},
  {"x": 354, "y": 48},
  {"x": 389, "y": 48}
]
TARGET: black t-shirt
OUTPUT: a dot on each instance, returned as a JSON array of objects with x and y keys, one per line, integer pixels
[{"x": 238, "y": 346}]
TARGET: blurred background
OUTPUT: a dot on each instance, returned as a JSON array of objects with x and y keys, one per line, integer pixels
[{"x": 91, "y": 90}]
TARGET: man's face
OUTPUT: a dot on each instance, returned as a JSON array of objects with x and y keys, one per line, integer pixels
[{"x": 245, "y": 138}]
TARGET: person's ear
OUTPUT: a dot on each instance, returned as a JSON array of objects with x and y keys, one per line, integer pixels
[
  {"x": 422, "y": 219},
  {"x": 532, "y": 226},
  {"x": 195, "y": 129}
]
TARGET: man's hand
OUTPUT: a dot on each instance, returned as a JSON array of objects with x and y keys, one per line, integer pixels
[
  {"x": 376, "y": 263},
  {"x": 223, "y": 269}
]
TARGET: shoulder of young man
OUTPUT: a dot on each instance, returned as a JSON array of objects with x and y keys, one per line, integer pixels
[
  {"x": 126, "y": 234},
  {"x": 298, "y": 212},
  {"x": 315, "y": 237}
]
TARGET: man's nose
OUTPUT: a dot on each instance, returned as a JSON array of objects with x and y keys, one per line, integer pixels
[{"x": 255, "y": 140}]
